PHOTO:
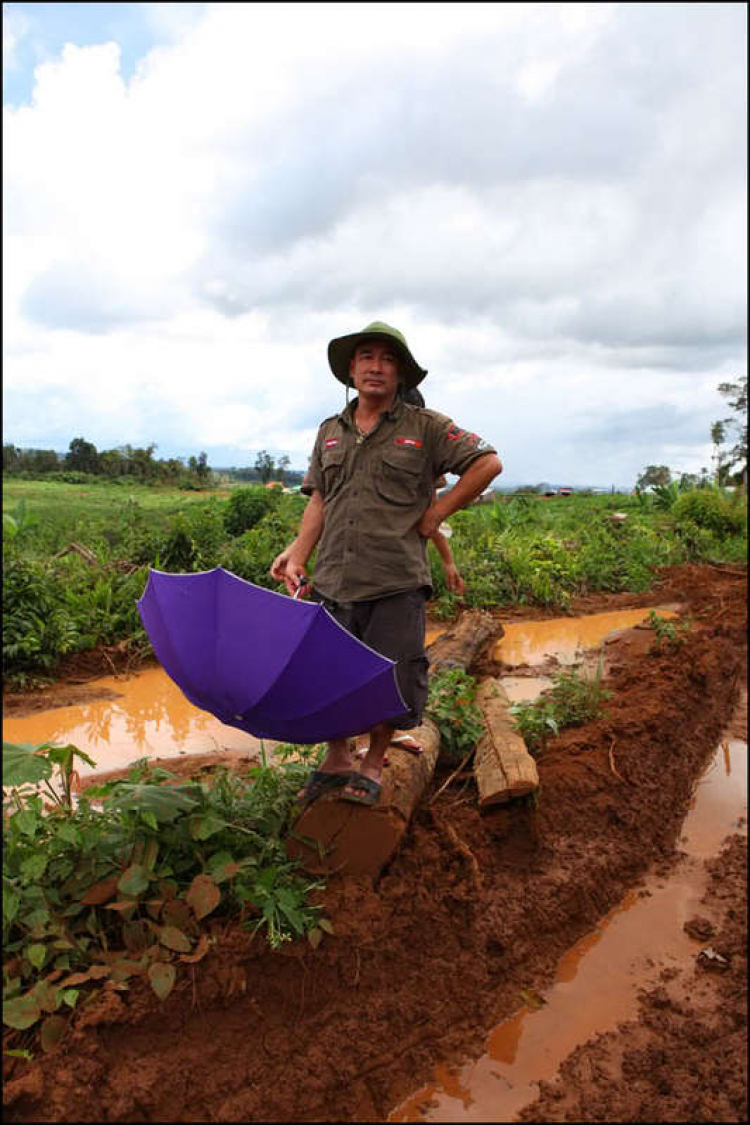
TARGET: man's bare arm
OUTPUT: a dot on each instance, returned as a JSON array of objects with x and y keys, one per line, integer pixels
[
  {"x": 468, "y": 486},
  {"x": 289, "y": 566}
]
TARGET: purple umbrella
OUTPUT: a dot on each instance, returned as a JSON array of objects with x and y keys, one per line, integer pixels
[{"x": 264, "y": 662}]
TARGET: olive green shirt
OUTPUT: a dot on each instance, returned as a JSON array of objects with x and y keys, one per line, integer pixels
[{"x": 375, "y": 490}]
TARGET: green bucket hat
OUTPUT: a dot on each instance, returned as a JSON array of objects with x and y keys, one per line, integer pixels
[{"x": 341, "y": 350}]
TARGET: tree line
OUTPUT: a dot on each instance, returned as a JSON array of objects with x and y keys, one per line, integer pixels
[
  {"x": 124, "y": 461},
  {"x": 140, "y": 463}
]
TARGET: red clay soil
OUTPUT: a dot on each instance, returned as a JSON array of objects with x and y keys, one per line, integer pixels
[
  {"x": 472, "y": 909},
  {"x": 685, "y": 1057}
]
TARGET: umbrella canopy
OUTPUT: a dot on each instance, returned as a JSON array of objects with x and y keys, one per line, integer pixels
[{"x": 264, "y": 662}]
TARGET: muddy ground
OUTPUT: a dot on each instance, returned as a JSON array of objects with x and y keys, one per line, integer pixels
[{"x": 473, "y": 909}]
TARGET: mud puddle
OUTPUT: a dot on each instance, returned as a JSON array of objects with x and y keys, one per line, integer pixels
[
  {"x": 525, "y": 689},
  {"x": 148, "y": 718},
  {"x": 599, "y": 978},
  {"x": 534, "y": 642}
]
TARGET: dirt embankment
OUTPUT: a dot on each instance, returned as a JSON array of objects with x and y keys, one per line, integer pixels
[{"x": 473, "y": 909}]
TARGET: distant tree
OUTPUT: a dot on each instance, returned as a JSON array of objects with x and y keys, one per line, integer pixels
[
  {"x": 82, "y": 456},
  {"x": 718, "y": 436},
  {"x": 11, "y": 457},
  {"x": 40, "y": 460},
  {"x": 654, "y": 475},
  {"x": 736, "y": 459},
  {"x": 201, "y": 467},
  {"x": 143, "y": 462},
  {"x": 264, "y": 466},
  {"x": 112, "y": 463},
  {"x": 282, "y": 467}
]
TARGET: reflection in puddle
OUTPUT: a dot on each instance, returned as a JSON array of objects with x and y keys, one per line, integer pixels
[
  {"x": 532, "y": 642},
  {"x": 597, "y": 980},
  {"x": 431, "y": 635},
  {"x": 151, "y": 718},
  {"x": 525, "y": 689}
]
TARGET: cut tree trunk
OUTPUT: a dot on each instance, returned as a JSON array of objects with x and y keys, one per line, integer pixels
[
  {"x": 503, "y": 766},
  {"x": 461, "y": 646},
  {"x": 332, "y": 835}
]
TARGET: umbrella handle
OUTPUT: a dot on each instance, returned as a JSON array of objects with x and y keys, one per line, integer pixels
[{"x": 300, "y": 587}]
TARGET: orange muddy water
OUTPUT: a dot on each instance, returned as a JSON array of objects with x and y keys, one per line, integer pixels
[
  {"x": 149, "y": 718},
  {"x": 599, "y": 978},
  {"x": 533, "y": 642}
]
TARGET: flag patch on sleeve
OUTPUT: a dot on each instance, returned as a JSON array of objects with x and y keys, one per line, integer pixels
[{"x": 331, "y": 441}]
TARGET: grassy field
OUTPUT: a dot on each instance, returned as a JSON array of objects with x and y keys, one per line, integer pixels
[{"x": 514, "y": 549}]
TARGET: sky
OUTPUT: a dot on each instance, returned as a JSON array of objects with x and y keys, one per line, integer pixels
[{"x": 548, "y": 200}]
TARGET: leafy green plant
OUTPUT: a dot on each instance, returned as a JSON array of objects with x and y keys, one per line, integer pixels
[
  {"x": 246, "y": 506},
  {"x": 451, "y": 706},
  {"x": 575, "y": 698},
  {"x": 36, "y": 628},
  {"x": 669, "y": 634},
  {"x": 123, "y": 882},
  {"x": 710, "y": 509}
]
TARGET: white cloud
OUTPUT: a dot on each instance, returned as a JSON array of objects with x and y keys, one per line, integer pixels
[
  {"x": 549, "y": 199},
  {"x": 15, "y": 26}
]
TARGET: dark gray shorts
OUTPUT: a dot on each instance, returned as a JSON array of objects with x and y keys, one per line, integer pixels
[{"x": 394, "y": 626}]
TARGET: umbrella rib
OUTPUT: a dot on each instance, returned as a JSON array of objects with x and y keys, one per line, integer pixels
[
  {"x": 289, "y": 659},
  {"x": 320, "y": 710}
]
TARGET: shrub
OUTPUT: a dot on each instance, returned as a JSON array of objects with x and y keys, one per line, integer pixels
[
  {"x": 572, "y": 700},
  {"x": 709, "y": 509},
  {"x": 452, "y": 708},
  {"x": 246, "y": 507},
  {"x": 168, "y": 857},
  {"x": 37, "y": 630}
]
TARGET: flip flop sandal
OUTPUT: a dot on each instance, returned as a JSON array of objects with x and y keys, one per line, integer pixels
[
  {"x": 320, "y": 782},
  {"x": 359, "y": 754},
  {"x": 406, "y": 742},
  {"x": 361, "y": 790}
]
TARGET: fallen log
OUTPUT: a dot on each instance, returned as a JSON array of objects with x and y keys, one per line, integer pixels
[
  {"x": 462, "y": 645},
  {"x": 503, "y": 766},
  {"x": 335, "y": 836},
  {"x": 84, "y": 552}
]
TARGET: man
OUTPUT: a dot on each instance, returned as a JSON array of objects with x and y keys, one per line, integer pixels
[{"x": 372, "y": 509}]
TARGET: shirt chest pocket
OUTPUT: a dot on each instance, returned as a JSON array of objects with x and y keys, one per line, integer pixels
[
  {"x": 399, "y": 477},
  {"x": 332, "y": 464}
]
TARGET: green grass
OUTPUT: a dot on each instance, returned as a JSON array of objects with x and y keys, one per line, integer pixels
[
  {"x": 515, "y": 550},
  {"x": 79, "y": 513}
]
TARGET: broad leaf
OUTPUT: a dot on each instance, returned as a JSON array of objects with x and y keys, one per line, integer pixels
[
  {"x": 36, "y": 954},
  {"x": 63, "y": 755},
  {"x": 203, "y": 895},
  {"x": 174, "y": 939},
  {"x": 166, "y": 803},
  {"x": 33, "y": 866},
  {"x": 134, "y": 880},
  {"x": 205, "y": 825},
  {"x": 22, "y": 765},
  {"x": 22, "y": 1012},
  {"x": 162, "y": 977},
  {"x": 100, "y": 892},
  {"x": 52, "y": 1031}
]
